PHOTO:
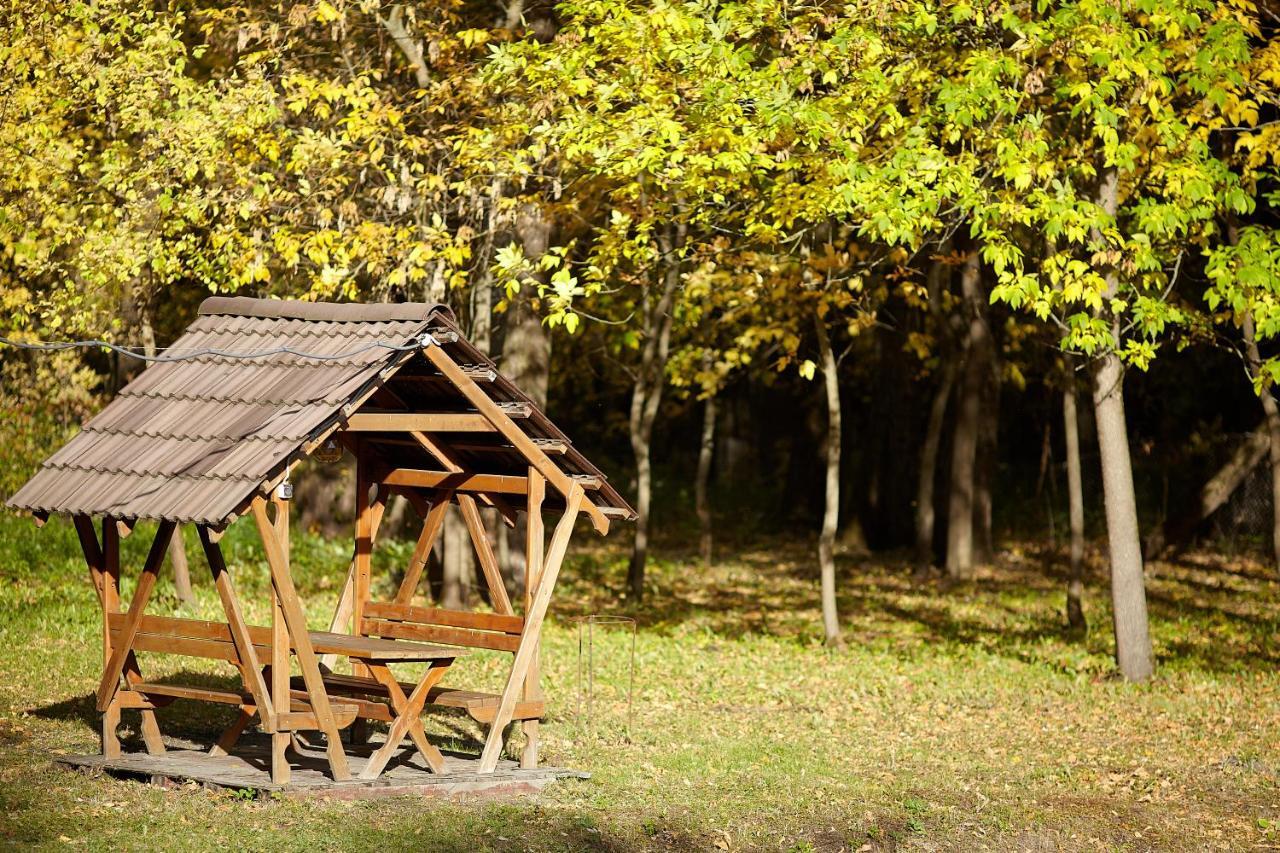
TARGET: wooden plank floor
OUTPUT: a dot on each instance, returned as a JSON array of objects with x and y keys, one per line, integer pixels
[{"x": 249, "y": 769}]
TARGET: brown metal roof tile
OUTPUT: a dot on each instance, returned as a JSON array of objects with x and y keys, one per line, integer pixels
[{"x": 193, "y": 440}]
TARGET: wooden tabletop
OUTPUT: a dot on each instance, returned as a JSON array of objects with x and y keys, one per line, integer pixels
[{"x": 376, "y": 648}]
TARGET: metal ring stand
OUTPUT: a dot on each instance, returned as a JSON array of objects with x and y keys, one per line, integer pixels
[{"x": 586, "y": 637}]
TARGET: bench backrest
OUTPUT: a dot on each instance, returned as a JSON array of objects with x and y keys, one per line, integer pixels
[{"x": 437, "y": 625}]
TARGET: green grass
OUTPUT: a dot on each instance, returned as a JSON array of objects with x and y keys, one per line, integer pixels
[{"x": 955, "y": 717}]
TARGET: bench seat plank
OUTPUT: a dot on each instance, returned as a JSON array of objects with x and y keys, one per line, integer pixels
[
  {"x": 481, "y": 706},
  {"x": 344, "y": 712},
  {"x": 200, "y": 638}
]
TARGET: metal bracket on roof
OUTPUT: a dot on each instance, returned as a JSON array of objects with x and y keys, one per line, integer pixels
[{"x": 439, "y": 335}]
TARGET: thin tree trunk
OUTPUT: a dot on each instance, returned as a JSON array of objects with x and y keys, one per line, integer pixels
[
  {"x": 1271, "y": 412},
  {"x": 985, "y": 468},
  {"x": 1177, "y": 532},
  {"x": 925, "y": 510},
  {"x": 410, "y": 48},
  {"x": 964, "y": 445},
  {"x": 646, "y": 395},
  {"x": 706, "y": 450},
  {"x": 459, "y": 568},
  {"x": 1128, "y": 593},
  {"x": 831, "y": 507},
  {"x": 1075, "y": 510}
]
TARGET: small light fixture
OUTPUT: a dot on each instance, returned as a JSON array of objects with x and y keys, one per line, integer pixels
[{"x": 329, "y": 451}]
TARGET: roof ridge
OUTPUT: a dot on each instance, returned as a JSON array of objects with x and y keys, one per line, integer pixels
[{"x": 332, "y": 312}]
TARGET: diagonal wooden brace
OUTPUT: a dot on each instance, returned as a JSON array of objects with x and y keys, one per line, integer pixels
[
  {"x": 488, "y": 561},
  {"x": 296, "y": 622},
  {"x": 532, "y": 629},
  {"x": 110, "y": 681},
  {"x": 250, "y": 669},
  {"x": 433, "y": 519}
]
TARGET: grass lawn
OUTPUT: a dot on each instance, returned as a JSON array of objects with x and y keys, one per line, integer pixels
[{"x": 955, "y": 717}]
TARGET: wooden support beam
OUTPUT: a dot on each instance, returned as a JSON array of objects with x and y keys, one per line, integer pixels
[
  {"x": 431, "y": 524},
  {"x": 461, "y": 482},
  {"x": 559, "y": 480},
  {"x": 434, "y": 447},
  {"x": 346, "y": 601},
  {"x": 406, "y": 421},
  {"x": 549, "y": 446},
  {"x": 281, "y": 772},
  {"x": 110, "y": 605},
  {"x": 533, "y": 620},
  {"x": 110, "y": 680},
  {"x": 488, "y": 562},
  {"x": 363, "y": 535},
  {"x": 249, "y": 666},
  {"x": 533, "y": 559},
  {"x": 296, "y": 621}
]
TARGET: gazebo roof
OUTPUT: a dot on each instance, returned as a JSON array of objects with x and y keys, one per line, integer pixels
[{"x": 195, "y": 440}]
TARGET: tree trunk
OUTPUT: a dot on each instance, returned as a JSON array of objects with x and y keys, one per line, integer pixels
[
  {"x": 964, "y": 445},
  {"x": 925, "y": 510},
  {"x": 1075, "y": 506},
  {"x": 1271, "y": 412},
  {"x": 831, "y": 507},
  {"x": 181, "y": 569},
  {"x": 646, "y": 395},
  {"x": 1128, "y": 593},
  {"x": 986, "y": 460},
  {"x": 706, "y": 450},
  {"x": 459, "y": 568},
  {"x": 1177, "y": 532}
]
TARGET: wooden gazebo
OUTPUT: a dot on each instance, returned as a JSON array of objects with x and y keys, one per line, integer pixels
[{"x": 254, "y": 387}]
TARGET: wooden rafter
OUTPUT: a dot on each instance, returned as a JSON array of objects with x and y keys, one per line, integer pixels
[
  {"x": 406, "y": 421},
  {"x": 558, "y": 479}
]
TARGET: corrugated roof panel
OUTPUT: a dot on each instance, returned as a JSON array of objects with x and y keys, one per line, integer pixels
[{"x": 193, "y": 440}]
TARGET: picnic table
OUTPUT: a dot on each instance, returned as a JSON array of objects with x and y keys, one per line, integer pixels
[{"x": 212, "y": 434}]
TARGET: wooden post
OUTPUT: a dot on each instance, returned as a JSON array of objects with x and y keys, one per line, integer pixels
[
  {"x": 533, "y": 563},
  {"x": 340, "y": 624},
  {"x": 364, "y": 554},
  {"x": 532, "y": 629},
  {"x": 110, "y": 605},
  {"x": 104, "y": 571},
  {"x": 280, "y": 660},
  {"x": 296, "y": 622}
]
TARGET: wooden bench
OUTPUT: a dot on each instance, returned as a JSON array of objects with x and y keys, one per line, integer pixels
[
  {"x": 213, "y": 640},
  {"x": 392, "y": 622}
]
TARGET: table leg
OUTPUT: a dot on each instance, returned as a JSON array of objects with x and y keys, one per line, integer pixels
[
  {"x": 232, "y": 733},
  {"x": 407, "y": 720},
  {"x": 111, "y": 722}
]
